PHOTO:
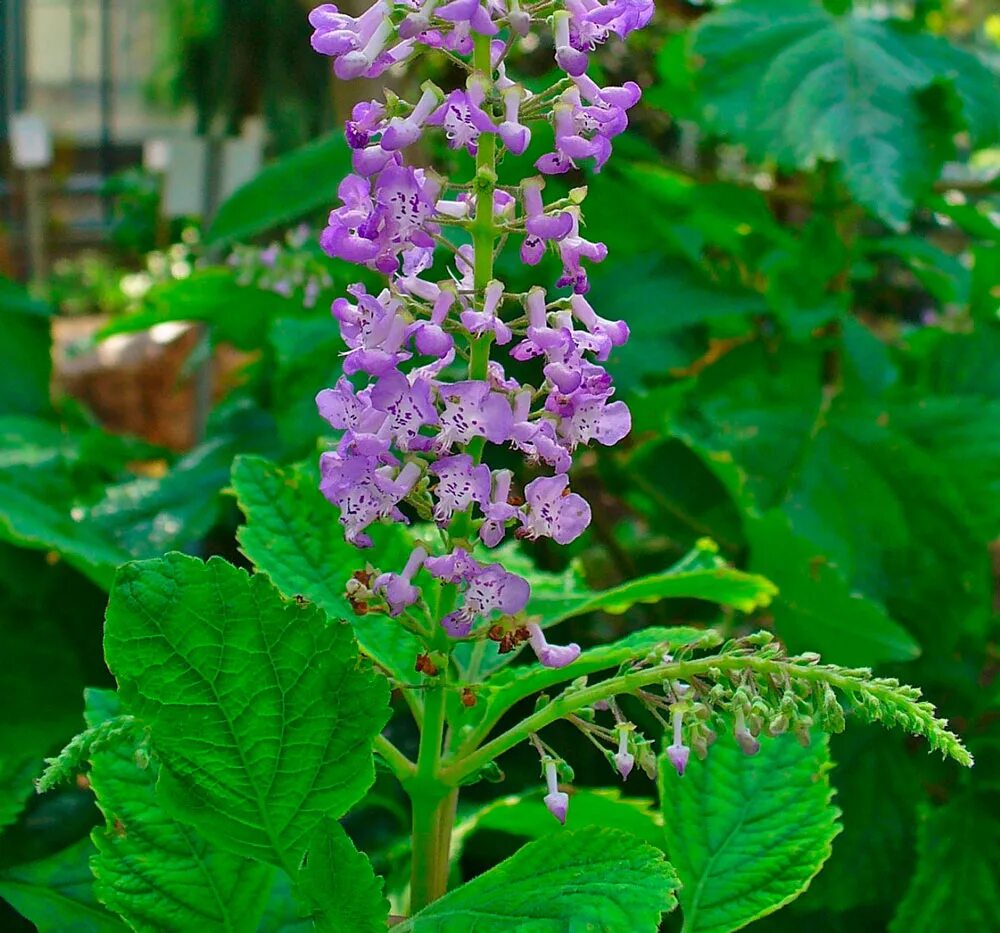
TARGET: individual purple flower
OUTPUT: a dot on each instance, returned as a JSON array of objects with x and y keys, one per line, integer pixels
[
  {"x": 586, "y": 417},
  {"x": 463, "y": 118},
  {"x": 405, "y": 131},
  {"x": 571, "y": 60},
  {"x": 408, "y": 406},
  {"x": 624, "y": 97},
  {"x": 397, "y": 589},
  {"x": 367, "y": 118},
  {"x": 473, "y": 409},
  {"x": 487, "y": 320},
  {"x": 553, "y": 511},
  {"x": 572, "y": 249},
  {"x": 551, "y": 655},
  {"x": 365, "y": 492},
  {"x": 539, "y": 226},
  {"x": 497, "y": 510},
  {"x": 743, "y": 736},
  {"x": 624, "y": 761},
  {"x": 460, "y": 484},
  {"x": 489, "y": 589},
  {"x": 677, "y": 751},
  {"x": 571, "y": 144},
  {"x": 515, "y": 135},
  {"x": 555, "y": 800},
  {"x": 615, "y": 332}
]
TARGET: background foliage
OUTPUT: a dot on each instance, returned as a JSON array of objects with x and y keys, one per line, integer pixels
[{"x": 805, "y": 240}]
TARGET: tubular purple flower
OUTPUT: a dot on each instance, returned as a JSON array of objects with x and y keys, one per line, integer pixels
[
  {"x": 624, "y": 761},
  {"x": 397, "y": 589},
  {"x": 463, "y": 118},
  {"x": 677, "y": 751},
  {"x": 555, "y": 800},
  {"x": 404, "y": 131},
  {"x": 497, "y": 511},
  {"x": 746, "y": 741},
  {"x": 515, "y": 135},
  {"x": 571, "y": 60},
  {"x": 554, "y": 656}
]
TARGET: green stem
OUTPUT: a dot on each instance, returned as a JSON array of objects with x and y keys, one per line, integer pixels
[
  {"x": 401, "y": 766},
  {"x": 428, "y": 880},
  {"x": 434, "y": 800},
  {"x": 573, "y": 700}
]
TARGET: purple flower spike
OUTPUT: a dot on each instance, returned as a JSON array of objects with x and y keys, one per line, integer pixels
[
  {"x": 556, "y": 800},
  {"x": 554, "y": 656},
  {"x": 624, "y": 762},
  {"x": 747, "y": 742},
  {"x": 399, "y": 592},
  {"x": 554, "y": 511}
]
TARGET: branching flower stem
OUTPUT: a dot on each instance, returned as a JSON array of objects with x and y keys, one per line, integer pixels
[{"x": 854, "y": 685}]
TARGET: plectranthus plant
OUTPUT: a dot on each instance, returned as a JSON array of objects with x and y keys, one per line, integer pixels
[{"x": 251, "y": 710}]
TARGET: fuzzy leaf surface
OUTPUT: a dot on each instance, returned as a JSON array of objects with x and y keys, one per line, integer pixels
[
  {"x": 155, "y": 872},
  {"x": 292, "y": 534},
  {"x": 259, "y": 711},
  {"x": 341, "y": 884},
  {"x": 588, "y": 879},
  {"x": 746, "y": 835}
]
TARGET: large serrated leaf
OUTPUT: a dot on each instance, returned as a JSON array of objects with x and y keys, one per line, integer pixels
[
  {"x": 155, "y": 872},
  {"x": 260, "y": 714},
  {"x": 800, "y": 84},
  {"x": 293, "y": 536},
  {"x": 55, "y": 893},
  {"x": 588, "y": 879},
  {"x": 746, "y": 835},
  {"x": 955, "y": 886},
  {"x": 340, "y": 883}
]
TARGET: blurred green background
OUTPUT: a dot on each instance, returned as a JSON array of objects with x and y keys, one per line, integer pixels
[{"x": 804, "y": 236}]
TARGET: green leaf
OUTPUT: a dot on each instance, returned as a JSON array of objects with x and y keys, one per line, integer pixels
[
  {"x": 259, "y": 712},
  {"x": 148, "y": 516},
  {"x": 341, "y": 884},
  {"x": 238, "y": 314},
  {"x": 746, "y": 835},
  {"x": 799, "y": 84},
  {"x": 699, "y": 575},
  {"x": 817, "y": 609},
  {"x": 288, "y": 189},
  {"x": 955, "y": 886},
  {"x": 596, "y": 878},
  {"x": 878, "y": 785},
  {"x": 56, "y": 895},
  {"x": 25, "y": 354},
  {"x": 153, "y": 871},
  {"x": 292, "y": 534}
]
